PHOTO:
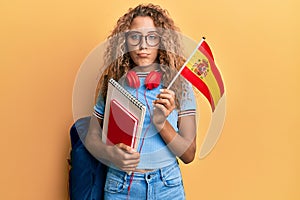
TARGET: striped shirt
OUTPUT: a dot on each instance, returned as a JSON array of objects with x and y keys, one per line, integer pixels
[{"x": 155, "y": 153}]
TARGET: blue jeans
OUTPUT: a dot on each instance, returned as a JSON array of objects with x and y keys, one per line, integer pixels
[{"x": 164, "y": 183}]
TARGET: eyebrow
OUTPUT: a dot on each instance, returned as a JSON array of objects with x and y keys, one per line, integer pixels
[{"x": 142, "y": 33}]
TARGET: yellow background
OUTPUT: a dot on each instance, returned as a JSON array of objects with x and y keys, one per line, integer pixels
[{"x": 255, "y": 44}]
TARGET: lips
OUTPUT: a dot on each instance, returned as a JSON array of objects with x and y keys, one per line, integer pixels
[{"x": 143, "y": 55}]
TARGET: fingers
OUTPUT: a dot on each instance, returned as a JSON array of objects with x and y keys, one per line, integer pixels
[
  {"x": 129, "y": 153},
  {"x": 167, "y": 94},
  {"x": 129, "y": 162},
  {"x": 126, "y": 158},
  {"x": 128, "y": 168},
  {"x": 126, "y": 148},
  {"x": 165, "y": 101}
]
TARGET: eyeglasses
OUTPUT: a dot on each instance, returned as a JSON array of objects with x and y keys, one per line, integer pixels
[{"x": 135, "y": 38}]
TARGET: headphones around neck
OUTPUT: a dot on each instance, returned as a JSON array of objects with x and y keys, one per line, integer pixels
[{"x": 152, "y": 80}]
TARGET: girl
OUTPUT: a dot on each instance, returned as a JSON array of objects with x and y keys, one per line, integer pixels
[{"x": 145, "y": 41}]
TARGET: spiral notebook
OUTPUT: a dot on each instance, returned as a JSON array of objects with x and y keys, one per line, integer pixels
[{"x": 123, "y": 118}]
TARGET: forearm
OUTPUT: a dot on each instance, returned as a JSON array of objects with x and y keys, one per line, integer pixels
[
  {"x": 182, "y": 147},
  {"x": 93, "y": 142},
  {"x": 120, "y": 154}
]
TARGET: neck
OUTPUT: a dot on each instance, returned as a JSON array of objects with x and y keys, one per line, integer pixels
[{"x": 147, "y": 68}]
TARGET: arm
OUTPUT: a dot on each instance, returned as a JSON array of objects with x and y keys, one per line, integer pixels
[
  {"x": 183, "y": 144},
  {"x": 120, "y": 155}
]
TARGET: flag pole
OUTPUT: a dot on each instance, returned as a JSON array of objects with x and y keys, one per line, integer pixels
[{"x": 179, "y": 72}]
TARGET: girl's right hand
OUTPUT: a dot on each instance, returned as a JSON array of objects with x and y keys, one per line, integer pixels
[{"x": 124, "y": 157}]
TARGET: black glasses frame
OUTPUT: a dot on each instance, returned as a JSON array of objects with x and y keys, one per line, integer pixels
[{"x": 141, "y": 36}]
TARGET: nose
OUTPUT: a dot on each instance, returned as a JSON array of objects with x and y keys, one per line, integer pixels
[{"x": 143, "y": 44}]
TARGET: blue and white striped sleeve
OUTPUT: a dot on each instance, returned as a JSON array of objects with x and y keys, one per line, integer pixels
[{"x": 99, "y": 108}]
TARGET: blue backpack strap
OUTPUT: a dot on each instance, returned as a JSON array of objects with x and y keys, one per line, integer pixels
[{"x": 87, "y": 175}]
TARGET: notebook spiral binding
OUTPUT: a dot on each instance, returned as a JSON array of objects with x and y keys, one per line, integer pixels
[{"x": 132, "y": 98}]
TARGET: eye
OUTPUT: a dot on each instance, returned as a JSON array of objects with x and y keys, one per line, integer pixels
[
  {"x": 153, "y": 37},
  {"x": 135, "y": 36}
]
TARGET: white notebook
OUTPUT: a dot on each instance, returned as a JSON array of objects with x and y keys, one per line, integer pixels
[{"x": 123, "y": 118}]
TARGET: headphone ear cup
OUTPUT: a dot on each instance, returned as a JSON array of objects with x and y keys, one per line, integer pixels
[
  {"x": 153, "y": 80},
  {"x": 132, "y": 79}
]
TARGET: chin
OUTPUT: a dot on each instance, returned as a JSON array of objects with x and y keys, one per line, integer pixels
[
  {"x": 141, "y": 64},
  {"x": 145, "y": 64}
]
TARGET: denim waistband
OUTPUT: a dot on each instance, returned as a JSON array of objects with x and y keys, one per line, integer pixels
[{"x": 141, "y": 176}]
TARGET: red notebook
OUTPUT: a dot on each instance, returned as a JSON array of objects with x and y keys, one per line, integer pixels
[
  {"x": 122, "y": 125},
  {"x": 123, "y": 117}
]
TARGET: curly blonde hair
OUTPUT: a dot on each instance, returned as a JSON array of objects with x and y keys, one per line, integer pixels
[{"x": 170, "y": 53}]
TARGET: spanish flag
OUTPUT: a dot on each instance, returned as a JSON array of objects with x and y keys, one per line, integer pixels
[{"x": 201, "y": 71}]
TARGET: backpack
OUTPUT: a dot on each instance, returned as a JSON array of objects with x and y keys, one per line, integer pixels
[{"x": 86, "y": 175}]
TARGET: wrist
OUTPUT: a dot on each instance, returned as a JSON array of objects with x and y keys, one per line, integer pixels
[{"x": 160, "y": 126}]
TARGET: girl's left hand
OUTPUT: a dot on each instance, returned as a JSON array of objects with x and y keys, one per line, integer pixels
[{"x": 163, "y": 106}]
